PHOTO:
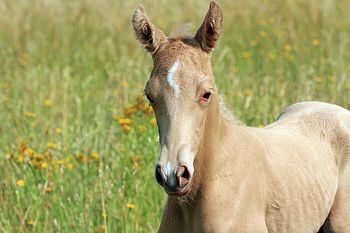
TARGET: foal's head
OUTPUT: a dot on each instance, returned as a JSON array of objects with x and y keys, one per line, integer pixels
[{"x": 180, "y": 89}]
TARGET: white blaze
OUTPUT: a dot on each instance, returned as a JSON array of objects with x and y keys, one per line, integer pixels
[
  {"x": 170, "y": 78},
  {"x": 167, "y": 169}
]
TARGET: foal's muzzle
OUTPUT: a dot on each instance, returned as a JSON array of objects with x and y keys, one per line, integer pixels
[{"x": 176, "y": 182}]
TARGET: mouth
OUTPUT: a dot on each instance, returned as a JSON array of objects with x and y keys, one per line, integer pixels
[{"x": 185, "y": 190}]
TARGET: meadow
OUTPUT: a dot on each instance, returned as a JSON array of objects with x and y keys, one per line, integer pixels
[{"x": 78, "y": 141}]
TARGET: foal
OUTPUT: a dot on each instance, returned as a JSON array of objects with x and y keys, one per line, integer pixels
[{"x": 222, "y": 176}]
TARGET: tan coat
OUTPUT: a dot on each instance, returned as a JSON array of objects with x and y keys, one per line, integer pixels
[{"x": 292, "y": 176}]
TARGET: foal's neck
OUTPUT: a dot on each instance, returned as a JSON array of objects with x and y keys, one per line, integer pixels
[{"x": 216, "y": 125}]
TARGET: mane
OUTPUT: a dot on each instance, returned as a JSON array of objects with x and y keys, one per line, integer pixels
[{"x": 227, "y": 114}]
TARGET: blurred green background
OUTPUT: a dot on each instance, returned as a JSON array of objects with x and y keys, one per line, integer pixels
[{"x": 78, "y": 142}]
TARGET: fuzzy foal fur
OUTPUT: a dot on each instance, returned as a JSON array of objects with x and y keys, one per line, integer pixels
[{"x": 291, "y": 176}]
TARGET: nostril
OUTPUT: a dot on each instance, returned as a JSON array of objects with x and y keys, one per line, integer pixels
[
  {"x": 186, "y": 174},
  {"x": 159, "y": 176},
  {"x": 183, "y": 176}
]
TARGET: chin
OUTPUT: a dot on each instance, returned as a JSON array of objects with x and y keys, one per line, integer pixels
[{"x": 185, "y": 190}]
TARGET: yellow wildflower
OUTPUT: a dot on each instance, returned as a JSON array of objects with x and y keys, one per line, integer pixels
[
  {"x": 248, "y": 92},
  {"x": 287, "y": 48},
  {"x": 59, "y": 162},
  {"x": 263, "y": 34},
  {"x": 82, "y": 158},
  {"x": 126, "y": 128},
  {"x": 29, "y": 152},
  {"x": 20, "y": 159},
  {"x": 38, "y": 161},
  {"x": 20, "y": 183},
  {"x": 70, "y": 166},
  {"x": 48, "y": 155},
  {"x": 47, "y": 102},
  {"x": 43, "y": 165},
  {"x": 35, "y": 163},
  {"x": 148, "y": 110},
  {"x": 23, "y": 147},
  {"x": 59, "y": 130},
  {"x": 38, "y": 157},
  {"x": 261, "y": 126},
  {"x": 53, "y": 146},
  {"x": 130, "y": 111},
  {"x": 141, "y": 106},
  {"x": 153, "y": 122},
  {"x": 315, "y": 42},
  {"x": 28, "y": 114},
  {"x": 95, "y": 156},
  {"x": 253, "y": 43},
  {"x": 130, "y": 206},
  {"x": 31, "y": 222},
  {"x": 124, "y": 121},
  {"x": 124, "y": 84},
  {"x": 347, "y": 86},
  {"x": 48, "y": 189}
]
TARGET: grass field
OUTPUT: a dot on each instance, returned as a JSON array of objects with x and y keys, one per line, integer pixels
[{"x": 78, "y": 142}]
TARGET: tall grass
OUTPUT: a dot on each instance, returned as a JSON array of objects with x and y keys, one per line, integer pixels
[{"x": 77, "y": 148}]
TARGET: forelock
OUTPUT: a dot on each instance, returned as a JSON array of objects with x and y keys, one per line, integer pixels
[{"x": 179, "y": 49}]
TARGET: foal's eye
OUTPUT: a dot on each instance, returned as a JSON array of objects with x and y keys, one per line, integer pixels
[
  {"x": 149, "y": 99},
  {"x": 205, "y": 98}
]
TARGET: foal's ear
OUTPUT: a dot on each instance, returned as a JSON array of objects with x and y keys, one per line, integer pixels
[
  {"x": 148, "y": 34},
  {"x": 211, "y": 28}
]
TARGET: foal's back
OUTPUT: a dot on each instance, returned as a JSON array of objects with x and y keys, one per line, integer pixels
[{"x": 308, "y": 155}]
